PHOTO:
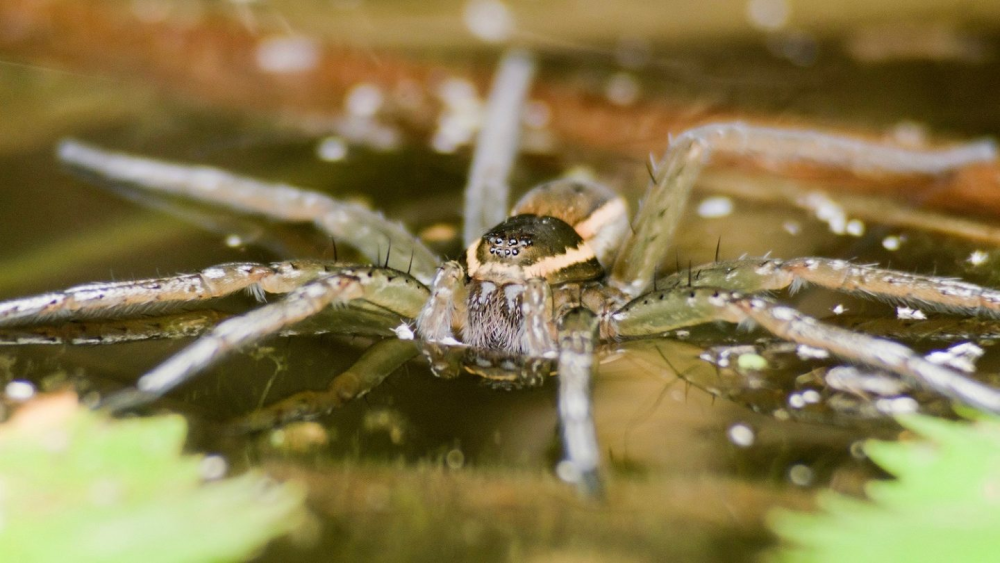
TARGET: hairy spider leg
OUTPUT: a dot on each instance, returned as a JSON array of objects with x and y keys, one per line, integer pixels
[
  {"x": 578, "y": 337},
  {"x": 375, "y": 364},
  {"x": 656, "y": 221},
  {"x": 186, "y": 324},
  {"x": 388, "y": 289},
  {"x": 496, "y": 146},
  {"x": 659, "y": 311},
  {"x": 124, "y": 298},
  {"x": 536, "y": 309},
  {"x": 354, "y": 224},
  {"x": 770, "y": 274}
]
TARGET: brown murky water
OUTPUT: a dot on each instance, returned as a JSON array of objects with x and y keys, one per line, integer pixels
[{"x": 429, "y": 469}]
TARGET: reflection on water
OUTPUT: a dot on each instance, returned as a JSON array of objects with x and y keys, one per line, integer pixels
[{"x": 424, "y": 468}]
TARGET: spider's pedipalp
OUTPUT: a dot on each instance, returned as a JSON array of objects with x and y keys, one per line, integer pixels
[{"x": 360, "y": 227}]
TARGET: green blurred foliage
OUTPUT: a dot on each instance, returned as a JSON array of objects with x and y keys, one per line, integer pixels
[
  {"x": 77, "y": 486},
  {"x": 944, "y": 504}
]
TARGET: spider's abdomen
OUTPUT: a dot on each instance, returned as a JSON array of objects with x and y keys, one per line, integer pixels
[{"x": 596, "y": 213}]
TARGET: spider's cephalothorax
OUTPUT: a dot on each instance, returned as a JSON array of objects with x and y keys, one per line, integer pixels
[{"x": 550, "y": 236}]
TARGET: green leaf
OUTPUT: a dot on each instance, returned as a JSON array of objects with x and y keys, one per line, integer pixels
[
  {"x": 77, "y": 486},
  {"x": 944, "y": 504}
]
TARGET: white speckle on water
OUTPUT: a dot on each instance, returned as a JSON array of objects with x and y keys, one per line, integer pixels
[
  {"x": 796, "y": 401},
  {"x": 714, "y": 207},
  {"x": 285, "y": 55},
  {"x": 801, "y": 475},
  {"x": 213, "y": 467},
  {"x": 489, "y": 20},
  {"x": 977, "y": 258},
  {"x": 768, "y": 15},
  {"x": 811, "y": 396},
  {"x": 839, "y": 309},
  {"x": 806, "y": 352},
  {"x": 855, "y": 227},
  {"x": 897, "y": 405},
  {"x": 19, "y": 390},
  {"x": 622, "y": 89},
  {"x": 891, "y": 242},
  {"x": 567, "y": 471},
  {"x": 741, "y": 435},
  {"x": 364, "y": 100},
  {"x": 460, "y": 117},
  {"x": 454, "y": 459},
  {"x": 331, "y": 149},
  {"x": 908, "y": 314}
]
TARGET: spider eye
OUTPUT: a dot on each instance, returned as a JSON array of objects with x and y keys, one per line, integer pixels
[{"x": 514, "y": 252}]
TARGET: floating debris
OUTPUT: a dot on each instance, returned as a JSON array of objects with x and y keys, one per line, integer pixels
[{"x": 908, "y": 314}]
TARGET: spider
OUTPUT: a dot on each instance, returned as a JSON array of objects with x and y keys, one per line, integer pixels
[{"x": 533, "y": 295}]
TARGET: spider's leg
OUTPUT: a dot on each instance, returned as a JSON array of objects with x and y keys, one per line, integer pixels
[
  {"x": 654, "y": 224},
  {"x": 185, "y": 324},
  {"x": 536, "y": 308},
  {"x": 577, "y": 339},
  {"x": 371, "y": 369},
  {"x": 659, "y": 311},
  {"x": 440, "y": 316},
  {"x": 765, "y": 274},
  {"x": 496, "y": 147},
  {"x": 384, "y": 288},
  {"x": 362, "y": 228},
  {"x": 123, "y": 298}
]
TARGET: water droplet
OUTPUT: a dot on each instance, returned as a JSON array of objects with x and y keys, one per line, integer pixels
[
  {"x": 801, "y": 475},
  {"x": 713, "y": 207},
  {"x": 489, "y": 20},
  {"x": 283, "y": 55},
  {"x": 741, "y": 435}
]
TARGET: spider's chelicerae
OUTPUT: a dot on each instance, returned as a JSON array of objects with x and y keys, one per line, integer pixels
[{"x": 564, "y": 271}]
